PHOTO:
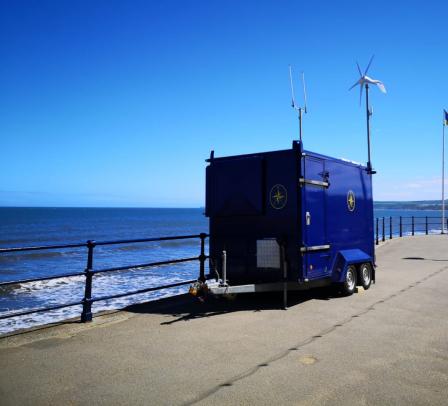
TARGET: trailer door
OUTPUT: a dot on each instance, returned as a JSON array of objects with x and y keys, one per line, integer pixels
[{"x": 315, "y": 248}]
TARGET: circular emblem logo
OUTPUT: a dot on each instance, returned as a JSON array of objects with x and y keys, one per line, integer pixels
[
  {"x": 351, "y": 202},
  {"x": 278, "y": 197}
]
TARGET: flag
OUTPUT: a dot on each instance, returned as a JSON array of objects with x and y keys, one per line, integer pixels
[{"x": 445, "y": 117}]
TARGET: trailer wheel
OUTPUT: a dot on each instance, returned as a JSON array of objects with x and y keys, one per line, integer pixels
[
  {"x": 349, "y": 285},
  {"x": 365, "y": 275}
]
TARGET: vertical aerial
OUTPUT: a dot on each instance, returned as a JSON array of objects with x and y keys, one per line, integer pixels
[{"x": 299, "y": 109}]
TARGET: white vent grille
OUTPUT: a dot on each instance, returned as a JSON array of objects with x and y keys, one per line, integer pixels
[{"x": 268, "y": 254}]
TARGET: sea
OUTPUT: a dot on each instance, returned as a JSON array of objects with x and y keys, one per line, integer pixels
[{"x": 20, "y": 227}]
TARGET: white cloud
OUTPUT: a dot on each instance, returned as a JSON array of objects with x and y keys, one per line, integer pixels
[{"x": 410, "y": 189}]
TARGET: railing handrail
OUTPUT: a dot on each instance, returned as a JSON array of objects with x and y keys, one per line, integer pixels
[
  {"x": 113, "y": 242},
  {"x": 413, "y": 224},
  {"x": 97, "y": 271},
  {"x": 89, "y": 272},
  {"x": 417, "y": 217}
]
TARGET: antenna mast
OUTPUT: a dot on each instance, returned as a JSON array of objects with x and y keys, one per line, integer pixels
[{"x": 299, "y": 109}]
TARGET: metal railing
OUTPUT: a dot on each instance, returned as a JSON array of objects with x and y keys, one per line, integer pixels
[
  {"x": 409, "y": 225},
  {"x": 90, "y": 272}
]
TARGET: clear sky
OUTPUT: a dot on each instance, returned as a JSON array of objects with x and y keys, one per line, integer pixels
[{"x": 118, "y": 103}]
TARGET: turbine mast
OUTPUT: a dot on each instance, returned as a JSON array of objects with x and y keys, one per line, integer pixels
[
  {"x": 364, "y": 81},
  {"x": 368, "y": 114}
]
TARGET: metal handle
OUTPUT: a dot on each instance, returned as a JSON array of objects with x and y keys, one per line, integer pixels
[
  {"x": 224, "y": 268},
  {"x": 308, "y": 218}
]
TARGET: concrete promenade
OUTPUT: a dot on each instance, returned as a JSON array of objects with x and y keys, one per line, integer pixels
[{"x": 384, "y": 346}]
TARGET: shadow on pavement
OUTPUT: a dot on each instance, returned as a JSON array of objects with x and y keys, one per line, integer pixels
[
  {"x": 425, "y": 259},
  {"x": 187, "y": 307}
]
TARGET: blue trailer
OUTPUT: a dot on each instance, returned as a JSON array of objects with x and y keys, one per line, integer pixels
[{"x": 289, "y": 219}]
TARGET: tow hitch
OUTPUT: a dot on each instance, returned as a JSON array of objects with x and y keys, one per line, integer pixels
[{"x": 199, "y": 289}]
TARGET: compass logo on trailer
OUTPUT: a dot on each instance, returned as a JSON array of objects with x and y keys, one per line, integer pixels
[
  {"x": 278, "y": 197},
  {"x": 351, "y": 200}
]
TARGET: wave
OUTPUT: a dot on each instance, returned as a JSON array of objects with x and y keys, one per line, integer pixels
[
  {"x": 159, "y": 245},
  {"x": 38, "y": 319},
  {"x": 181, "y": 243},
  {"x": 135, "y": 247},
  {"x": 19, "y": 288},
  {"x": 13, "y": 241},
  {"x": 21, "y": 256},
  {"x": 45, "y": 254},
  {"x": 8, "y": 289},
  {"x": 71, "y": 289}
]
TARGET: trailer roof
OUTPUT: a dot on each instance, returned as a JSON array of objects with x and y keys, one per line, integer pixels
[
  {"x": 340, "y": 160},
  {"x": 306, "y": 152}
]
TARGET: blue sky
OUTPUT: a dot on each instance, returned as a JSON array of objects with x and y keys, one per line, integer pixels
[{"x": 112, "y": 103}]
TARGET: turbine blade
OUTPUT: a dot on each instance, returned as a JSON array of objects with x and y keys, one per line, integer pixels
[
  {"x": 381, "y": 87},
  {"x": 357, "y": 83},
  {"x": 359, "y": 69},
  {"x": 304, "y": 91},
  {"x": 368, "y": 66}
]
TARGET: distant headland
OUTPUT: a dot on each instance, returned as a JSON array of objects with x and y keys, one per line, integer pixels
[{"x": 410, "y": 205}]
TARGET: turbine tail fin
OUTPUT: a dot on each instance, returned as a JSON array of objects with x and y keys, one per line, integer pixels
[{"x": 382, "y": 87}]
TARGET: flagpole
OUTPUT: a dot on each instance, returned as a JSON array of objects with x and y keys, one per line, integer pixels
[{"x": 443, "y": 173}]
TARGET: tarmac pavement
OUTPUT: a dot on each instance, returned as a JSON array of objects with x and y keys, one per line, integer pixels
[{"x": 386, "y": 345}]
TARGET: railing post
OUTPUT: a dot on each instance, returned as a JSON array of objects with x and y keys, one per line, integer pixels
[
  {"x": 390, "y": 228},
  {"x": 377, "y": 236},
  {"x": 401, "y": 227},
  {"x": 413, "y": 228},
  {"x": 202, "y": 258},
  {"x": 426, "y": 224},
  {"x": 384, "y": 232},
  {"x": 86, "y": 314}
]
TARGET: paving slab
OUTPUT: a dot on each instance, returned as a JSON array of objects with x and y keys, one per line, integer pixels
[{"x": 386, "y": 345}]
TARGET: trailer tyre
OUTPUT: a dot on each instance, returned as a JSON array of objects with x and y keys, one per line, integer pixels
[
  {"x": 349, "y": 285},
  {"x": 365, "y": 275}
]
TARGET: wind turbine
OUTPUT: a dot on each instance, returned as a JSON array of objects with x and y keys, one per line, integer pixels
[
  {"x": 293, "y": 101},
  {"x": 365, "y": 81}
]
